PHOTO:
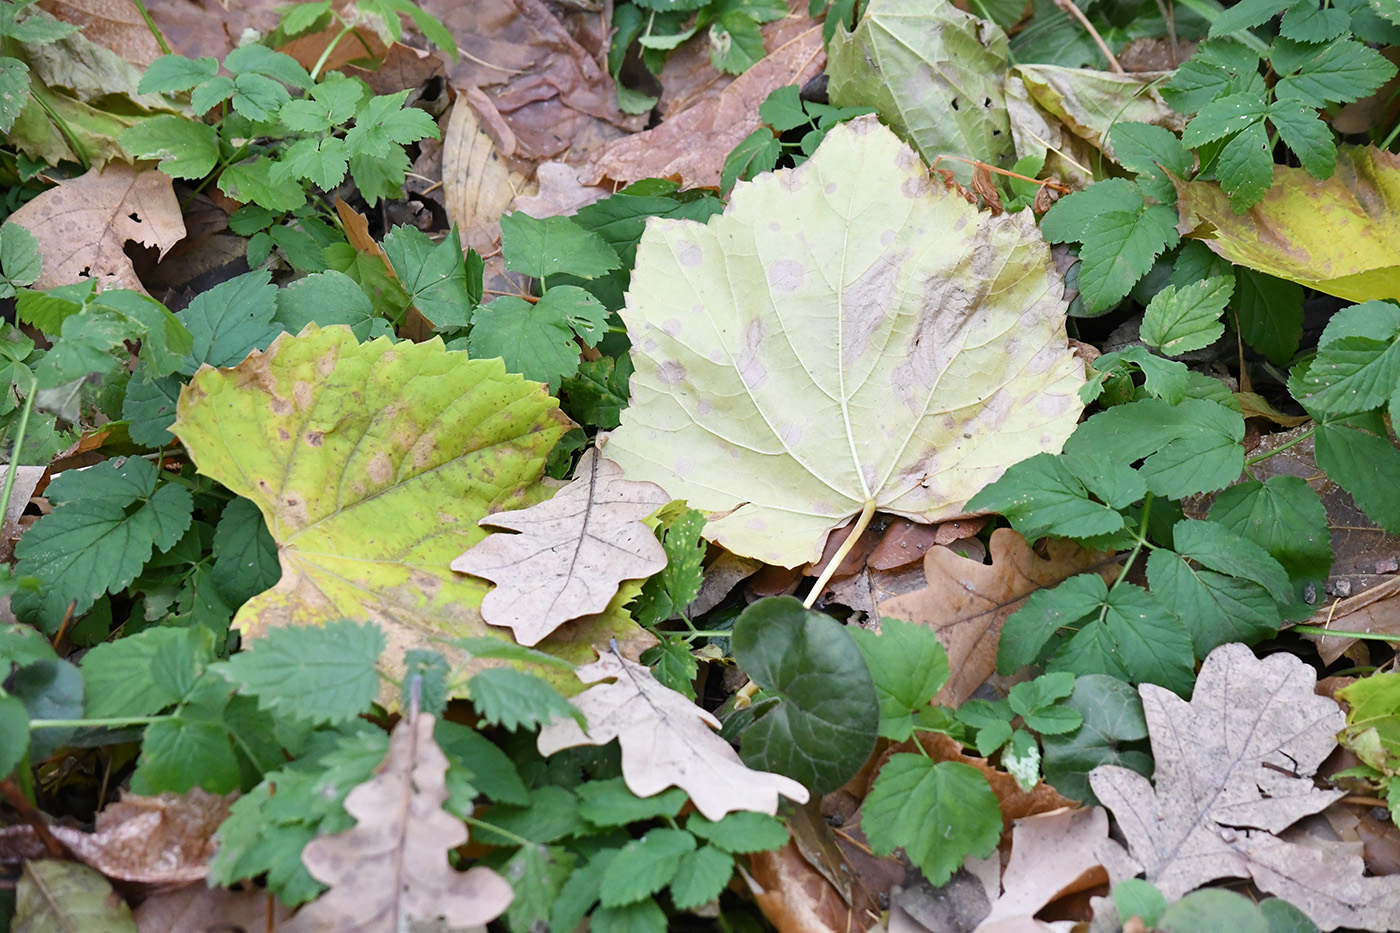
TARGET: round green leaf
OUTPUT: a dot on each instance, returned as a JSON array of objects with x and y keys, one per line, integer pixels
[
  {"x": 824, "y": 725},
  {"x": 14, "y": 733}
]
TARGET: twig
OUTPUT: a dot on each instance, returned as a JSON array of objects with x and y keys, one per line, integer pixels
[
  {"x": 1068, "y": 7},
  {"x": 17, "y": 800}
]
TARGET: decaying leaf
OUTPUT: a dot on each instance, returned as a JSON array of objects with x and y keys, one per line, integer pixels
[
  {"x": 694, "y": 143},
  {"x": 666, "y": 741},
  {"x": 1340, "y": 235},
  {"x": 83, "y": 224},
  {"x": 847, "y": 336},
  {"x": 66, "y": 896},
  {"x": 1234, "y": 768},
  {"x": 966, "y": 601},
  {"x": 934, "y": 72},
  {"x": 371, "y": 464},
  {"x": 572, "y": 551},
  {"x": 391, "y": 868},
  {"x": 198, "y": 908},
  {"x": 1052, "y": 855}
]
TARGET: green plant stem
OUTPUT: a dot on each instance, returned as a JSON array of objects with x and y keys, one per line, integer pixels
[
  {"x": 706, "y": 633},
  {"x": 1141, "y": 541},
  {"x": 113, "y": 723},
  {"x": 1281, "y": 448},
  {"x": 1210, "y": 9},
  {"x": 326, "y": 55},
  {"x": 20, "y": 430},
  {"x": 151, "y": 25},
  {"x": 482, "y": 824},
  {"x": 1343, "y": 633}
]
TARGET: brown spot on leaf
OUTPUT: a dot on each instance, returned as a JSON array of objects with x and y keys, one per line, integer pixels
[
  {"x": 381, "y": 469},
  {"x": 315, "y": 438}
]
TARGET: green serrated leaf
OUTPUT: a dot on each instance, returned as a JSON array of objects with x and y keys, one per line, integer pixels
[
  {"x": 644, "y": 866},
  {"x": 512, "y": 699},
  {"x": 14, "y": 733},
  {"x": 534, "y": 340},
  {"x": 434, "y": 274},
  {"x": 673, "y": 665},
  {"x": 1178, "y": 321},
  {"x": 669, "y": 592},
  {"x": 20, "y": 260},
  {"x": 178, "y": 754},
  {"x": 782, "y": 109},
  {"x": 1137, "y": 638},
  {"x": 1303, "y": 130},
  {"x": 94, "y": 541},
  {"x": 1336, "y": 73},
  {"x": 939, "y": 812},
  {"x": 1363, "y": 464},
  {"x": 1027, "y": 630},
  {"x": 610, "y": 803},
  {"x": 1186, "y": 449},
  {"x": 323, "y": 162},
  {"x": 825, "y": 723},
  {"x": 253, "y": 182},
  {"x": 1224, "y": 117},
  {"x": 741, "y": 832},
  {"x": 644, "y": 916},
  {"x": 254, "y": 58},
  {"x": 327, "y": 298},
  {"x": 1285, "y": 516},
  {"x": 756, "y": 153},
  {"x": 1215, "y": 607},
  {"x": 245, "y": 556},
  {"x": 317, "y": 674},
  {"x": 540, "y": 248},
  {"x": 1042, "y": 495},
  {"x": 258, "y": 97},
  {"x": 536, "y": 873},
  {"x": 185, "y": 148},
  {"x": 909, "y": 665},
  {"x": 142, "y": 674},
  {"x": 173, "y": 73},
  {"x": 702, "y": 875},
  {"x": 149, "y": 408},
  {"x": 1245, "y": 167},
  {"x": 1221, "y": 549},
  {"x": 1246, "y": 15},
  {"x": 230, "y": 320},
  {"x": 1121, "y": 249}
]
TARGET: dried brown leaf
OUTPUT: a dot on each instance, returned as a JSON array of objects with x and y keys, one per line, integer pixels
[
  {"x": 1234, "y": 768},
  {"x": 666, "y": 741},
  {"x": 1052, "y": 854},
  {"x": 197, "y": 908},
  {"x": 966, "y": 602},
  {"x": 391, "y": 868},
  {"x": 115, "y": 24},
  {"x": 694, "y": 143},
  {"x": 796, "y": 898},
  {"x": 83, "y": 225},
  {"x": 572, "y": 553}
]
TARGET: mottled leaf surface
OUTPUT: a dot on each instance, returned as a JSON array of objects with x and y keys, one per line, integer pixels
[
  {"x": 846, "y": 335},
  {"x": 371, "y": 464}
]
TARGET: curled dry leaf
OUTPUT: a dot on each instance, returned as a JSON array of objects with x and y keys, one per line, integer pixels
[
  {"x": 83, "y": 224},
  {"x": 847, "y": 336},
  {"x": 162, "y": 840},
  {"x": 1052, "y": 855},
  {"x": 1234, "y": 768},
  {"x": 572, "y": 551},
  {"x": 966, "y": 601},
  {"x": 666, "y": 741},
  {"x": 391, "y": 869},
  {"x": 796, "y": 898}
]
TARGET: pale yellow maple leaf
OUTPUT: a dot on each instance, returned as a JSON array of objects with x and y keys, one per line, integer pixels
[
  {"x": 847, "y": 336},
  {"x": 572, "y": 552},
  {"x": 666, "y": 741}
]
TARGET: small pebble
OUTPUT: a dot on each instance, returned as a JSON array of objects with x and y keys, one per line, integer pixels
[{"x": 1389, "y": 565}]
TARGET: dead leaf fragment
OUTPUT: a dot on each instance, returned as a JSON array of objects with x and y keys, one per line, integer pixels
[
  {"x": 1234, "y": 767},
  {"x": 966, "y": 602},
  {"x": 666, "y": 741},
  {"x": 83, "y": 225},
  {"x": 572, "y": 552},
  {"x": 694, "y": 143},
  {"x": 1052, "y": 854},
  {"x": 115, "y": 24},
  {"x": 197, "y": 908},
  {"x": 391, "y": 868}
]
